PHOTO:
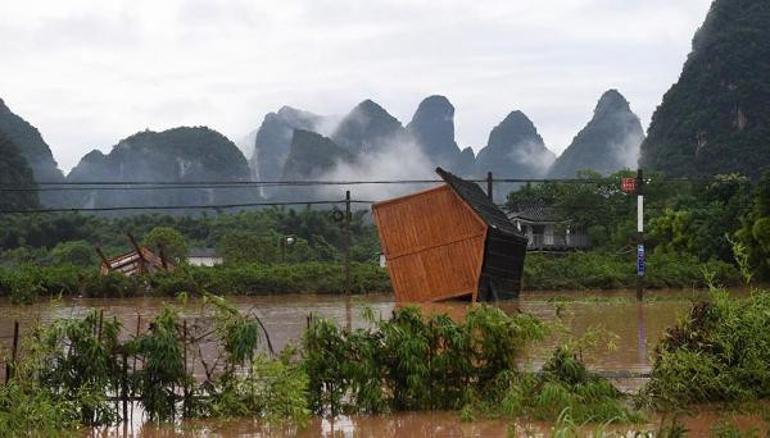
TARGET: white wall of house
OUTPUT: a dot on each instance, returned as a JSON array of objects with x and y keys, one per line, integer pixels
[{"x": 204, "y": 260}]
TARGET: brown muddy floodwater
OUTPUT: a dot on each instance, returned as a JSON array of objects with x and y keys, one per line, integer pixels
[{"x": 636, "y": 328}]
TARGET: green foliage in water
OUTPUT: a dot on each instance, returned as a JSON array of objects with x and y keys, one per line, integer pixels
[
  {"x": 78, "y": 362},
  {"x": 75, "y": 372},
  {"x": 718, "y": 353},
  {"x": 564, "y": 383},
  {"x": 274, "y": 391},
  {"x": 161, "y": 351},
  {"x": 412, "y": 362},
  {"x": 29, "y": 409}
]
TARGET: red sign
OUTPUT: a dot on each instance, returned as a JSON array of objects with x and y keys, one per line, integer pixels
[{"x": 628, "y": 185}]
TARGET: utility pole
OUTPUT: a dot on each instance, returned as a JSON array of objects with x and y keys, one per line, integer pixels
[
  {"x": 348, "y": 215},
  {"x": 490, "y": 194},
  {"x": 640, "y": 250}
]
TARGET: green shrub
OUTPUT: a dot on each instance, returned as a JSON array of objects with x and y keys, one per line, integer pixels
[
  {"x": 596, "y": 270},
  {"x": 171, "y": 241},
  {"x": 413, "y": 362},
  {"x": 29, "y": 409},
  {"x": 719, "y": 353}
]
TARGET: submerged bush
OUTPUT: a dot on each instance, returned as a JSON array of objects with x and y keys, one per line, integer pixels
[
  {"x": 412, "y": 362},
  {"x": 718, "y": 353},
  {"x": 274, "y": 391},
  {"x": 28, "y": 409},
  {"x": 564, "y": 383}
]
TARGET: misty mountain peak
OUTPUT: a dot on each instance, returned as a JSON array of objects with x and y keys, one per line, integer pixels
[
  {"x": 611, "y": 102},
  {"x": 290, "y": 113},
  {"x": 367, "y": 127},
  {"x": 433, "y": 128},
  {"x": 515, "y": 149},
  {"x": 513, "y": 129},
  {"x": 273, "y": 140},
  {"x": 371, "y": 107},
  {"x": 3, "y": 109},
  {"x": 434, "y": 107},
  {"x": 608, "y": 143}
]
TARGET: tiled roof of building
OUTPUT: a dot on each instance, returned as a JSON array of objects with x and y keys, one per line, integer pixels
[{"x": 535, "y": 211}]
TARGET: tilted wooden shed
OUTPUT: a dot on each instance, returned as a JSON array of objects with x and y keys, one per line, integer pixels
[{"x": 450, "y": 241}]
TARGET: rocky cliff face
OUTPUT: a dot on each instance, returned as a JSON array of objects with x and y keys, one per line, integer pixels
[
  {"x": 14, "y": 171},
  {"x": 176, "y": 155},
  {"x": 433, "y": 129},
  {"x": 273, "y": 140},
  {"x": 35, "y": 150},
  {"x": 514, "y": 150},
  {"x": 610, "y": 142},
  {"x": 367, "y": 128},
  {"x": 31, "y": 144},
  {"x": 312, "y": 155},
  {"x": 716, "y": 118}
]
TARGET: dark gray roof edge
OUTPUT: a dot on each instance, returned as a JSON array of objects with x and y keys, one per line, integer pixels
[{"x": 472, "y": 194}]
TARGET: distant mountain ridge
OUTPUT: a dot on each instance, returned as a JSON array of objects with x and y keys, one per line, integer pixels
[
  {"x": 293, "y": 144},
  {"x": 185, "y": 154},
  {"x": 515, "y": 148}
]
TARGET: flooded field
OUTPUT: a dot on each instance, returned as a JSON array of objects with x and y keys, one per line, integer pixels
[{"x": 636, "y": 326}]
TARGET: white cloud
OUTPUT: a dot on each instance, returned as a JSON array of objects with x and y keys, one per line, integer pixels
[{"x": 90, "y": 72}]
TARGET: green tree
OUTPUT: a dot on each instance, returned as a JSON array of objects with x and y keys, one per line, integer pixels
[
  {"x": 77, "y": 252},
  {"x": 172, "y": 241},
  {"x": 249, "y": 247}
]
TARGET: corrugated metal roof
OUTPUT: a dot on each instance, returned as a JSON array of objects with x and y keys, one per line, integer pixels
[{"x": 472, "y": 194}]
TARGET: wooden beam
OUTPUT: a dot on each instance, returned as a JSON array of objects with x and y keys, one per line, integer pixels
[{"x": 138, "y": 249}]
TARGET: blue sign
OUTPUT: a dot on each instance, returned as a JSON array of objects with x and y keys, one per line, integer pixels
[{"x": 640, "y": 265}]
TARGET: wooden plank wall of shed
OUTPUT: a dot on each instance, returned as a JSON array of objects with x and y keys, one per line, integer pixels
[{"x": 433, "y": 244}]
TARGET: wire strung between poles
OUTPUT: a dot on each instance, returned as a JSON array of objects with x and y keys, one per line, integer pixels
[{"x": 179, "y": 207}]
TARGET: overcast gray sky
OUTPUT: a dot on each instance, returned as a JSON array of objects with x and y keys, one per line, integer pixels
[{"x": 90, "y": 72}]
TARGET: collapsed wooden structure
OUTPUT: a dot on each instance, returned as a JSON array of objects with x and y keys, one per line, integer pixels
[
  {"x": 139, "y": 261},
  {"x": 450, "y": 241}
]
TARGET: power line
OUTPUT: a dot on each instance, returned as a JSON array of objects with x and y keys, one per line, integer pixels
[
  {"x": 179, "y": 207},
  {"x": 176, "y": 185},
  {"x": 208, "y": 184}
]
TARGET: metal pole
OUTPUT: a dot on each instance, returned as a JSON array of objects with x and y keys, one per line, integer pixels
[
  {"x": 640, "y": 250},
  {"x": 490, "y": 193},
  {"x": 348, "y": 215}
]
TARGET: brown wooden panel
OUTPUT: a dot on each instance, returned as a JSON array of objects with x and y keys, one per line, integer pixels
[{"x": 433, "y": 244}]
